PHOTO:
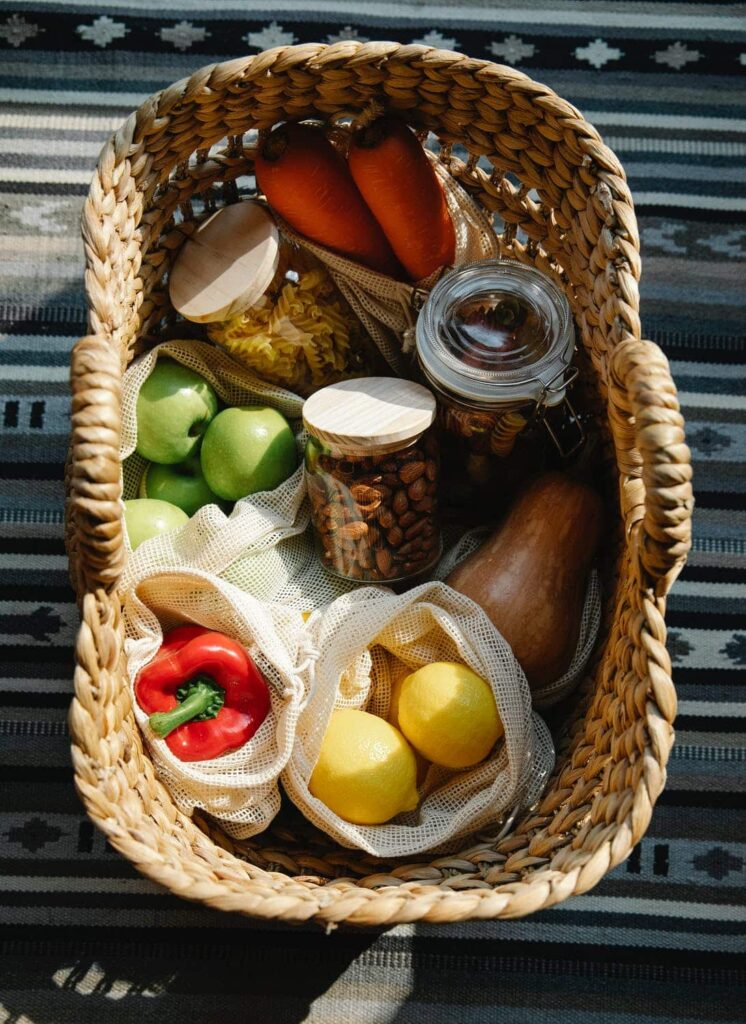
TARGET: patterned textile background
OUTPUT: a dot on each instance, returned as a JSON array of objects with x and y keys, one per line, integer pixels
[{"x": 84, "y": 938}]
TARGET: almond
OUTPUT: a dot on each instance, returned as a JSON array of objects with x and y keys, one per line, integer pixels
[
  {"x": 353, "y": 531},
  {"x": 411, "y": 471},
  {"x": 365, "y": 556},
  {"x": 418, "y": 489},
  {"x": 366, "y": 497},
  {"x": 374, "y": 536},
  {"x": 400, "y": 504},
  {"x": 383, "y": 560},
  {"x": 415, "y": 529},
  {"x": 426, "y": 505},
  {"x": 395, "y": 536}
]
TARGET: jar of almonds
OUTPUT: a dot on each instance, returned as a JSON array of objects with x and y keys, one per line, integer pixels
[{"x": 372, "y": 473}]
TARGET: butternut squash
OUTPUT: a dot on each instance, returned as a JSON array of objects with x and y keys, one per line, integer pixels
[{"x": 530, "y": 576}]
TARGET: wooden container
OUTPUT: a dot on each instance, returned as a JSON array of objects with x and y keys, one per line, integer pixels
[{"x": 579, "y": 226}]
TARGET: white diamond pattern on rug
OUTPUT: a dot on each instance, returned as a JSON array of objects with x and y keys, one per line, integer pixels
[
  {"x": 730, "y": 243},
  {"x": 184, "y": 34},
  {"x": 435, "y": 38},
  {"x": 345, "y": 34},
  {"x": 103, "y": 31},
  {"x": 598, "y": 53},
  {"x": 17, "y": 30},
  {"x": 512, "y": 49},
  {"x": 677, "y": 56},
  {"x": 271, "y": 35},
  {"x": 662, "y": 237},
  {"x": 41, "y": 214}
]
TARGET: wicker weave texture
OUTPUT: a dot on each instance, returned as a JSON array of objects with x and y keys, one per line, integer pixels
[{"x": 566, "y": 208}]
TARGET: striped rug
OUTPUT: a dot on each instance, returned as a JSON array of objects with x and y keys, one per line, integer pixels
[{"x": 84, "y": 938}]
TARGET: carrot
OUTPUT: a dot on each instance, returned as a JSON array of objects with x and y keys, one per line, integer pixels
[
  {"x": 309, "y": 184},
  {"x": 400, "y": 186}
]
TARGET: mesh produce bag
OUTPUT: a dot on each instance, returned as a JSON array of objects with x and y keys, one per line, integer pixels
[
  {"x": 211, "y": 540},
  {"x": 238, "y": 789},
  {"x": 265, "y": 546},
  {"x": 590, "y": 621},
  {"x": 288, "y": 573},
  {"x": 386, "y": 307},
  {"x": 365, "y": 640}
]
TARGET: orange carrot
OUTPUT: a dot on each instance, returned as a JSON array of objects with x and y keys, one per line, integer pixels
[
  {"x": 309, "y": 184},
  {"x": 400, "y": 186}
]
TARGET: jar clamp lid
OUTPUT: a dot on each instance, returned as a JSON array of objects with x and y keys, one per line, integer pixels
[
  {"x": 498, "y": 333},
  {"x": 369, "y": 415},
  {"x": 227, "y": 264}
]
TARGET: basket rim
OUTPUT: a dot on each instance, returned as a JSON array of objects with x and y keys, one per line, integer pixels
[{"x": 652, "y": 457}]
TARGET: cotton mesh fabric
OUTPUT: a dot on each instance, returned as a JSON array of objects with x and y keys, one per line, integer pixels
[
  {"x": 252, "y": 573},
  {"x": 590, "y": 621},
  {"x": 385, "y": 306},
  {"x": 364, "y": 641},
  {"x": 239, "y": 789},
  {"x": 211, "y": 540}
]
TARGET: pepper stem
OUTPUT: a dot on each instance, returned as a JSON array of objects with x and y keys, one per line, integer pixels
[{"x": 200, "y": 698}]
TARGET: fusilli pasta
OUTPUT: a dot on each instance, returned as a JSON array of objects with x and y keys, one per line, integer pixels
[{"x": 306, "y": 339}]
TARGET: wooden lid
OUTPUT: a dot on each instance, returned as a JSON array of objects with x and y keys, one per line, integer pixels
[
  {"x": 370, "y": 415},
  {"x": 227, "y": 264}
]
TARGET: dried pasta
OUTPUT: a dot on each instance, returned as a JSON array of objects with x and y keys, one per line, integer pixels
[{"x": 305, "y": 339}]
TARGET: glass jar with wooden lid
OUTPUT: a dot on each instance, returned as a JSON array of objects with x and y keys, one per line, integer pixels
[
  {"x": 273, "y": 307},
  {"x": 372, "y": 471}
]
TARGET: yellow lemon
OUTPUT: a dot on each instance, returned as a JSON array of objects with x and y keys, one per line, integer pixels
[
  {"x": 366, "y": 770},
  {"x": 448, "y": 714},
  {"x": 422, "y": 764},
  {"x": 394, "y": 703}
]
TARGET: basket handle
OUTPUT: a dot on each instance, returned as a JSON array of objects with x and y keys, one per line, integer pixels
[
  {"x": 94, "y": 532},
  {"x": 653, "y": 458}
]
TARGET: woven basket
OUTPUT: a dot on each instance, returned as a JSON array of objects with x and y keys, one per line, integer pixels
[{"x": 566, "y": 208}]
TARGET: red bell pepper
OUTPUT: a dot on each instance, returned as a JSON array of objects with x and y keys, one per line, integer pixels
[{"x": 203, "y": 692}]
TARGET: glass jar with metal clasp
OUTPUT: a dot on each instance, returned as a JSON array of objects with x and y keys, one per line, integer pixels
[{"x": 495, "y": 341}]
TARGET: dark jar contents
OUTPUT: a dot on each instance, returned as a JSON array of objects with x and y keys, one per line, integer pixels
[
  {"x": 375, "y": 512},
  {"x": 495, "y": 340}
]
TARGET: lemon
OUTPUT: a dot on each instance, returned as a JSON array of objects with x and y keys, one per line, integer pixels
[
  {"x": 448, "y": 714},
  {"x": 394, "y": 702},
  {"x": 366, "y": 770},
  {"x": 422, "y": 765}
]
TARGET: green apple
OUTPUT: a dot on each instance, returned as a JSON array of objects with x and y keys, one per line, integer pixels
[
  {"x": 183, "y": 484},
  {"x": 174, "y": 408},
  {"x": 247, "y": 449},
  {"x": 147, "y": 517}
]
